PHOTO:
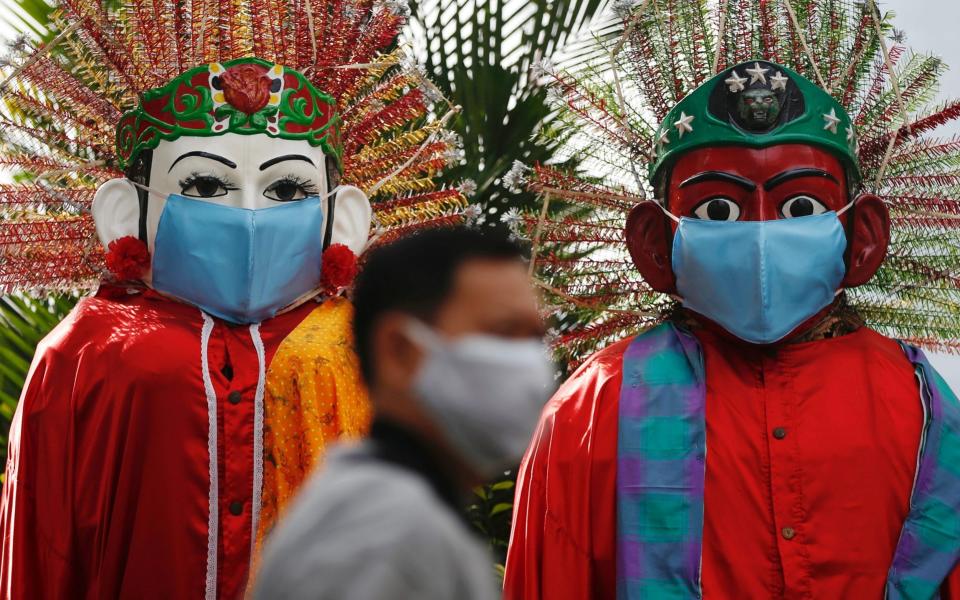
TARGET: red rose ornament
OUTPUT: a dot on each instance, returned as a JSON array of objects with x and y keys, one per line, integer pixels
[
  {"x": 246, "y": 88},
  {"x": 339, "y": 268}
]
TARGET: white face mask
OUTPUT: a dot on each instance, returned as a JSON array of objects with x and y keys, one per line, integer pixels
[{"x": 484, "y": 392}]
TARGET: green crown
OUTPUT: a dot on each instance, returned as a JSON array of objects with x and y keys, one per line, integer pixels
[
  {"x": 246, "y": 96},
  {"x": 756, "y": 104}
]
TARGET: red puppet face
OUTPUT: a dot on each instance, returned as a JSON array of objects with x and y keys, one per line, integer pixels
[
  {"x": 730, "y": 183},
  {"x": 756, "y": 184}
]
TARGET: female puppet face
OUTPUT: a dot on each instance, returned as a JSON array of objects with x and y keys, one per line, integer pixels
[
  {"x": 245, "y": 134},
  {"x": 242, "y": 171},
  {"x": 229, "y": 190}
]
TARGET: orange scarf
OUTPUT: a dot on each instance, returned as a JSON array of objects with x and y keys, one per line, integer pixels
[{"x": 314, "y": 397}]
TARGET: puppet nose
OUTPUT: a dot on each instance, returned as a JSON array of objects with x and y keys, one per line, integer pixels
[
  {"x": 762, "y": 208},
  {"x": 249, "y": 198}
]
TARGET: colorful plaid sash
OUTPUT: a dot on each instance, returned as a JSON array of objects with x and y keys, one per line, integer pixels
[
  {"x": 661, "y": 466},
  {"x": 929, "y": 542}
]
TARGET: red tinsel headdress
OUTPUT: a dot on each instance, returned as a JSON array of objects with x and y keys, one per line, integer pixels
[
  {"x": 62, "y": 103},
  {"x": 614, "y": 92}
]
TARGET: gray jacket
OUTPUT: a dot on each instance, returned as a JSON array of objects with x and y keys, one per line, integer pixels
[{"x": 368, "y": 529}]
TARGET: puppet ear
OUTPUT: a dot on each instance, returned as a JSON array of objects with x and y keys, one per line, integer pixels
[
  {"x": 649, "y": 238},
  {"x": 116, "y": 211},
  {"x": 351, "y": 219},
  {"x": 868, "y": 237}
]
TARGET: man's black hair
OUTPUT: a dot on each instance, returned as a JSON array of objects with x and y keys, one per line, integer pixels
[{"x": 415, "y": 275}]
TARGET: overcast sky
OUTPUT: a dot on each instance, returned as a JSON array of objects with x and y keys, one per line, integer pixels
[{"x": 932, "y": 26}]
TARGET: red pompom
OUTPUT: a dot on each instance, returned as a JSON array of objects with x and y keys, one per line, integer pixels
[
  {"x": 127, "y": 258},
  {"x": 339, "y": 268}
]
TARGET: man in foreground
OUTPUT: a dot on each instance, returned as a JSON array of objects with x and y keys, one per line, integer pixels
[{"x": 449, "y": 340}]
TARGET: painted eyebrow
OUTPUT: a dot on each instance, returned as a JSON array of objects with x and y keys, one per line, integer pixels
[
  {"x": 284, "y": 158},
  {"x": 794, "y": 174},
  {"x": 202, "y": 154},
  {"x": 720, "y": 176}
]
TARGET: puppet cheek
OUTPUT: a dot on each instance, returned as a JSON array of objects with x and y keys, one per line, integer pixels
[
  {"x": 869, "y": 238},
  {"x": 649, "y": 237}
]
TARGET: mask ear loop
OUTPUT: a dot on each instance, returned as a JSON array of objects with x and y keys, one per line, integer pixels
[
  {"x": 149, "y": 189},
  {"x": 423, "y": 335},
  {"x": 676, "y": 220},
  {"x": 331, "y": 197},
  {"x": 847, "y": 207},
  {"x": 663, "y": 208},
  {"x": 840, "y": 212}
]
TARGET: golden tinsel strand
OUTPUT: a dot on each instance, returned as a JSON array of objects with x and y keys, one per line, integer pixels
[{"x": 392, "y": 145}]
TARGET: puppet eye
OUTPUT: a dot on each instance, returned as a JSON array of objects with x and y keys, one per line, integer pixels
[
  {"x": 205, "y": 186},
  {"x": 717, "y": 209},
  {"x": 802, "y": 206},
  {"x": 290, "y": 188}
]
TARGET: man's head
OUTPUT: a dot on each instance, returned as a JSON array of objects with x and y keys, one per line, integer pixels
[
  {"x": 428, "y": 310},
  {"x": 458, "y": 281},
  {"x": 757, "y": 143}
]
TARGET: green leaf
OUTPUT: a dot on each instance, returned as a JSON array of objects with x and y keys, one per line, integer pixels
[
  {"x": 479, "y": 53},
  {"x": 23, "y": 323},
  {"x": 501, "y": 507}
]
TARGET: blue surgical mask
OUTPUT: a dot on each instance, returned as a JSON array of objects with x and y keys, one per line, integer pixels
[
  {"x": 759, "y": 280},
  {"x": 238, "y": 264}
]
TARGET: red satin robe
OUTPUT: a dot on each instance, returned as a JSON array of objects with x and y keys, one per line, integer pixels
[
  {"x": 108, "y": 481},
  {"x": 811, "y": 452}
]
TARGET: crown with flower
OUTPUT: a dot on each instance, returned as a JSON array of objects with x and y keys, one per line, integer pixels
[
  {"x": 120, "y": 77},
  {"x": 245, "y": 96}
]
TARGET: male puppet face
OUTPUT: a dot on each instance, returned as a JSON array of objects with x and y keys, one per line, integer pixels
[
  {"x": 728, "y": 184},
  {"x": 756, "y": 228},
  {"x": 756, "y": 184}
]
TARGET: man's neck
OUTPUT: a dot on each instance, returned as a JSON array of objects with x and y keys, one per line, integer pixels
[{"x": 398, "y": 442}]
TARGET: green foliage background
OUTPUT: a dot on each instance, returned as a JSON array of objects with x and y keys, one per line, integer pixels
[{"x": 24, "y": 322}]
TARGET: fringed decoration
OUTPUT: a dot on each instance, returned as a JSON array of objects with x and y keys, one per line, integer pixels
[
  {"x": 582, "y": 266},
  {"x": 60, "y": 109}
]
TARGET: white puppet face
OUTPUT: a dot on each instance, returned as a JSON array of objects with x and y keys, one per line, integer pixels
[{"x": 243, "y": 171}]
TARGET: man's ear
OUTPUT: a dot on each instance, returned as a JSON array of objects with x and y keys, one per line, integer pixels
[
  {"x": 396, "y": 358},
  {"x": 351, "y": 219},
  {"x": 649, "y": 239},
  {"x": 116, "y": 211},
  {"x": 869, "y": 236}
]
